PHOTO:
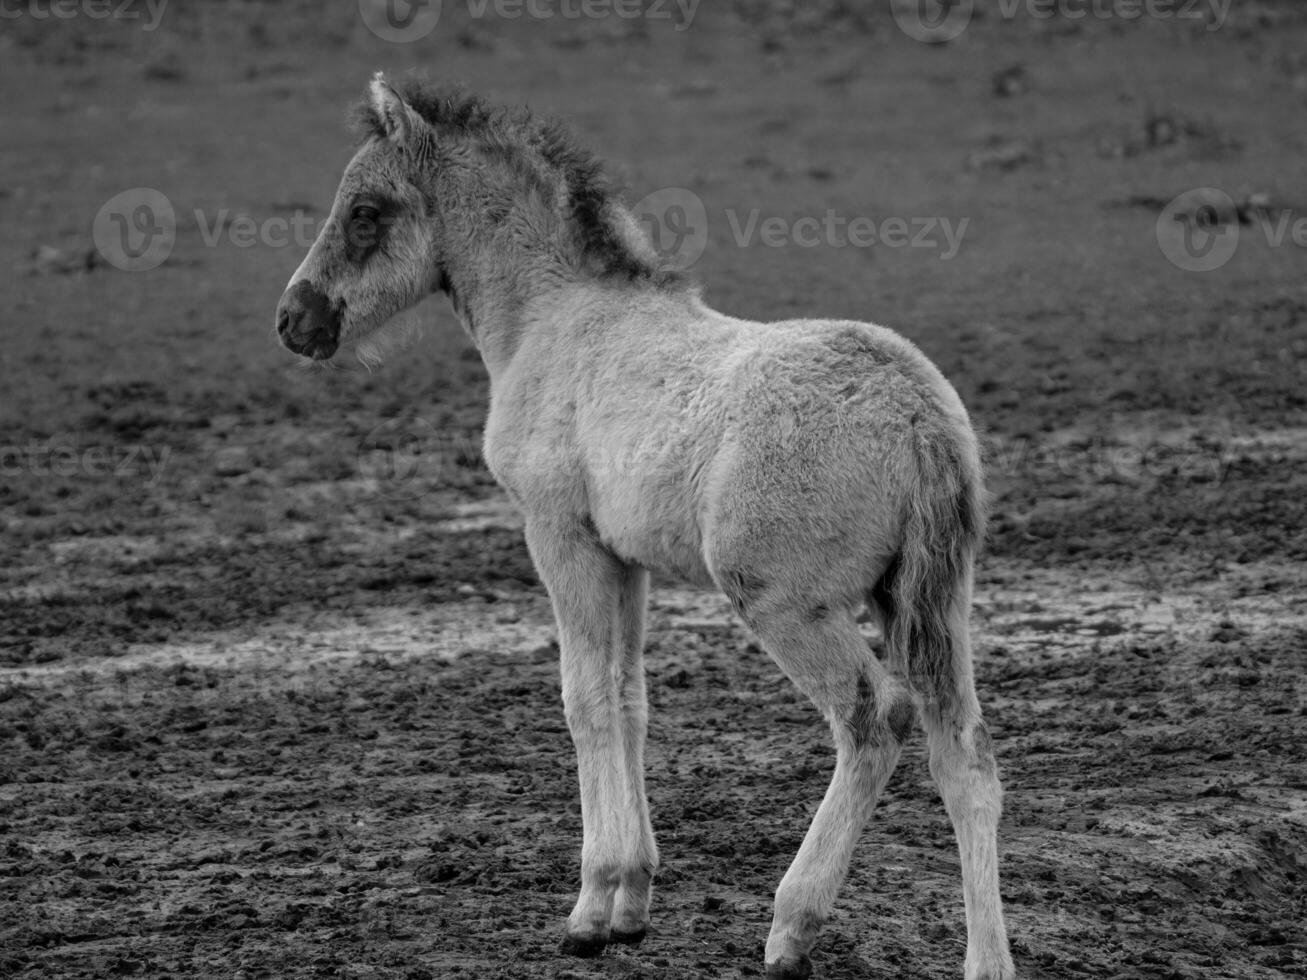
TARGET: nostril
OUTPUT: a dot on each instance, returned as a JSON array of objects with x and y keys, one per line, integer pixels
[{"x": 306, "y": 322}]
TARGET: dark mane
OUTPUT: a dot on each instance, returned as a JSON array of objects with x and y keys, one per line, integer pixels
[{"x": 512, "y": 133}]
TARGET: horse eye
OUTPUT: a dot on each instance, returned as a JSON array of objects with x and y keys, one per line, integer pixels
[{"x": 363, "y": 229}]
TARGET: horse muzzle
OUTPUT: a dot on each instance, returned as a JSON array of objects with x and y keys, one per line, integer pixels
[{"x": 307, "y": 323}]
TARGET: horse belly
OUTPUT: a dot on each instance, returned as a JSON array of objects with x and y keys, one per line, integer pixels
[{"x": 646, "y": 517}]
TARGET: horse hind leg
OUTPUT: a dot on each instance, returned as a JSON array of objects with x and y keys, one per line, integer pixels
[
  {"x": 930, "y": 631},
  {"x": 963, "y": 766},
  {"x": 870, "y": 714}
]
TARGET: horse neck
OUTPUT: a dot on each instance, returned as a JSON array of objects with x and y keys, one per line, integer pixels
[
  {"x": 502, "y": 276},
  {"x": 497, "y": 292},
  {"x": 529, "y": 268}
]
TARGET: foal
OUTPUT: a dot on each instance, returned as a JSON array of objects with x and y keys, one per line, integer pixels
[{"x": 806, "y": 468}]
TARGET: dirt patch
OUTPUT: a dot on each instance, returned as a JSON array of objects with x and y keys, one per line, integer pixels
[{"x": 391, "y": 789}]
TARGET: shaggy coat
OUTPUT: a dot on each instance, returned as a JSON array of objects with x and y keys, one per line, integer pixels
[{"x": 809, "y": 469}]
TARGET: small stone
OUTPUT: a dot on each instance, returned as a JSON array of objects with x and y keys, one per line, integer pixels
[{"x": 232, "y": 461}]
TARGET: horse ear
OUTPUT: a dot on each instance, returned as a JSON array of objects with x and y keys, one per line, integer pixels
[{"x": 399, "y": 120}]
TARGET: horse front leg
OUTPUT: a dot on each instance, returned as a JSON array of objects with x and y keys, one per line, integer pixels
[
  {"x": 586, "y": 586},
  {"x": 631, "y": 908}
]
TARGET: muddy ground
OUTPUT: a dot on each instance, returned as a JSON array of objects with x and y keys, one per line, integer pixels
[{"x": 278, "y": 691}]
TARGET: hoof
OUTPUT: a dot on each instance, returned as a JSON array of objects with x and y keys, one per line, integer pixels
[
  {"x": 585, "y": 946},
  {"x": 1002, "y": 971},
  {"x": 996, "y": 966},
  {"x": 633, "y": 938},
  {"x": 793, "y": 969}
]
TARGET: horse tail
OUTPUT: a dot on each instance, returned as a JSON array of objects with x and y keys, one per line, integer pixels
[{"x": 925, "y": 593}]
